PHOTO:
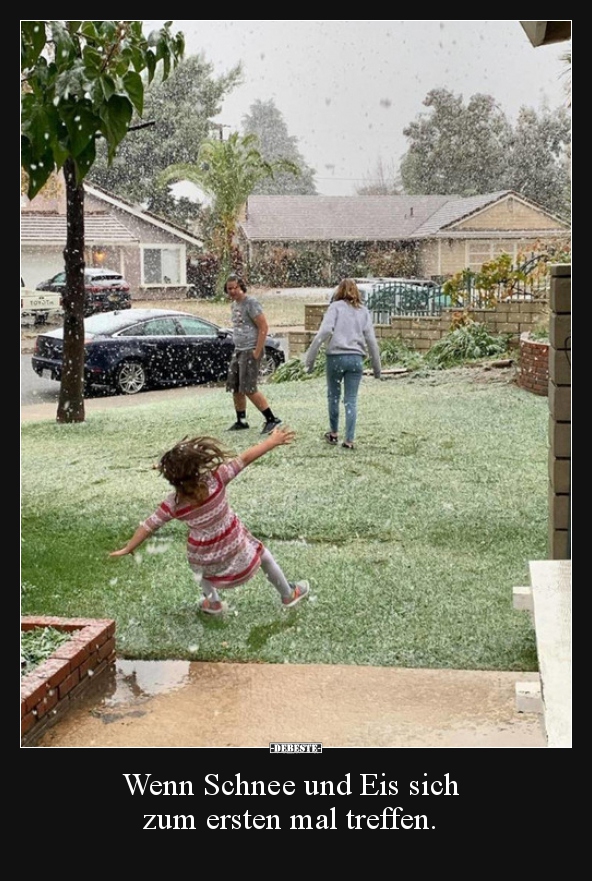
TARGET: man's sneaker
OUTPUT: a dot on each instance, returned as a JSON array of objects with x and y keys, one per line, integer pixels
[
  {"x": 269, "y": 426},
  {"x": 238, "y": 426},
  {"x": 299, "y": 591}
]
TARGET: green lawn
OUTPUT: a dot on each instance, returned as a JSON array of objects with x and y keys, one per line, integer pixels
[
  {"x": 412, "y": 543},
  {"x": 281, "y": 310}
]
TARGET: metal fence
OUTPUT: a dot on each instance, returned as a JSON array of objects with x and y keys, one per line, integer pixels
[
  {"x": 528, "y": 280},
  {"x": 405, "y": 298}
]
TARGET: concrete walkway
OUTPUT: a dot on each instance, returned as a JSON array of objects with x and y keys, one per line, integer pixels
[{"x": 182, "y": 704}]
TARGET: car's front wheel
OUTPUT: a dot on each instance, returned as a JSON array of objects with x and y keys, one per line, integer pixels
[{"x": 131, "y": 378}]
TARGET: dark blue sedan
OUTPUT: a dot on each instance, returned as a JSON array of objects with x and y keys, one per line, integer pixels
[{"x": 137, "y": 349}]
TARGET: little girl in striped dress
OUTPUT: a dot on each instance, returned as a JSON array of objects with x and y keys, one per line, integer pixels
[{"x": 221, "y": 551}]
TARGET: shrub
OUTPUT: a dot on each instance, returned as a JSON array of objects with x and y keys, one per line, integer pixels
[
  {"x": 287, "y": 267},
  {"x": 38, "y": 644},
  {"x": 203, "y": 271},
  {"x": 469, "y": 342},
  {"x": 201, "y": 274},
  {"x": 394, "y": 263},
  {"x": 393, "y": 352},
  {"x": 294, "y": 370},
  {"x": 540, "y": 334}
]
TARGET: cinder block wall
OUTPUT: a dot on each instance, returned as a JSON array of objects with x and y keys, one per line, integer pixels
[
  {"x": 422, "y": 332},
  {"x": 560, "y": 413}
]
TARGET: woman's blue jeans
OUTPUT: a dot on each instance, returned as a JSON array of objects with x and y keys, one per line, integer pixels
[{"x": 343, "y": 370}]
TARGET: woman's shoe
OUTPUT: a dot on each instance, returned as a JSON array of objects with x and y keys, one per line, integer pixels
[
  {"x": 331, "y": 438},
  {"x": 347, "y": 445}
]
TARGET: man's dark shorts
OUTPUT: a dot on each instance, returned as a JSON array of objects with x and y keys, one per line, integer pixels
[{"x": 243, "y": 372}]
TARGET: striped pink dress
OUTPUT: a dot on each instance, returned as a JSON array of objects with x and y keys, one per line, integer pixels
[{"x": 219, "y": 547}]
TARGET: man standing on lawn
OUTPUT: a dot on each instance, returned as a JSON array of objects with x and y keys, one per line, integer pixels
[{"x": 250, "y": 330}]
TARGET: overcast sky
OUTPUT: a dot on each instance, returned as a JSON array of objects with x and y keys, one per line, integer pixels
[{"x": 347, "y": 89}]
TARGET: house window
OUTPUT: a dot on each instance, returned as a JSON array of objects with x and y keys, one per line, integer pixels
[
  {"x": 161, "y": 266},
  {"x": 479, "y": 253}
]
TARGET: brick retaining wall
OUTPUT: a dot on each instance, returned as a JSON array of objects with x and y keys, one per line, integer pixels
[
  {"x": 48, "y": 690},
  {"x": 534, "y": 366}
]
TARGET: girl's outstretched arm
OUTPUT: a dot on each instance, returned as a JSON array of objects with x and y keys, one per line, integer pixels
[
  {"x": 279, "y": 436},
  {"x": 139, "y": 536}
]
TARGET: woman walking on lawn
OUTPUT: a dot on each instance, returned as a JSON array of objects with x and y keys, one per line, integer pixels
[
  {"x": 348, "y": 332},
  {"x": 221, "y": 551}
]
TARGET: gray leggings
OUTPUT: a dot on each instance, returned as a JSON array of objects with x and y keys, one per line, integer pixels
[{"x": 272, "y": 572}]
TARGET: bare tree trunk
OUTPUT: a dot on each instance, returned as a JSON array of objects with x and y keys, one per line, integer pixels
[
  {"x": 71, "y": 400},
  {"x": 226, "y": 266}
]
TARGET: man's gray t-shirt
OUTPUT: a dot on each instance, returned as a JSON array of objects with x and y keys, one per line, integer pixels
[{"x": 245, "y": 329}]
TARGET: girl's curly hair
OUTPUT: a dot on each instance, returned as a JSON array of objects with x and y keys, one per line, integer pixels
[{"x": 187, "y": 465}]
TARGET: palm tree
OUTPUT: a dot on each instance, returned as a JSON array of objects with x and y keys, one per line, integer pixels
[{"x": 228, "y": 172}]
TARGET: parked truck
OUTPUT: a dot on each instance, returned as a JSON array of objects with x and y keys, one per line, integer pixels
[{"x": 38, "y": 307}]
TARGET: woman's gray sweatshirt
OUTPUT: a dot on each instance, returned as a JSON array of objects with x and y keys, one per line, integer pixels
[{"x": 346, "y": 331}]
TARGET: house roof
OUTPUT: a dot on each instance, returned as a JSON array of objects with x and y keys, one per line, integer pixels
[
  {"x": 364, "y": 218},
  {"x": 100, "y": 227},
  {"x": 50, "y": 229},
  {"x": 140, "y": 213},
  {"x": 337, "y": 218}
]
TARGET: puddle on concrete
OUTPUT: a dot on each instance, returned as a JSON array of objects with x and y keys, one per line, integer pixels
[{"x": 137, "y": 680}]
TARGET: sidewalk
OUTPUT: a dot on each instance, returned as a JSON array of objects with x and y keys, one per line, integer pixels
[
  {"x": 181, "y": 704},
  {"x": 33, "y": 412}
]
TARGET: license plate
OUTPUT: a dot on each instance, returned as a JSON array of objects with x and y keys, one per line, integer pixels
[{"x": 46, "y": 374}]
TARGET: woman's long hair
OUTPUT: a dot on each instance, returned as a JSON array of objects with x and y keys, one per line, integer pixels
[{"x": 348, "y": 290}]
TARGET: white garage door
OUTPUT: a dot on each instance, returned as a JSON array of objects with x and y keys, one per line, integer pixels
[{"x": 40, "y": 264}]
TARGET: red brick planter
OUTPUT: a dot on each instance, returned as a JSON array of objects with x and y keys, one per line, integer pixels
[
  {"x": 534, "y": 365},
  {"x": 48, "y": 690}
]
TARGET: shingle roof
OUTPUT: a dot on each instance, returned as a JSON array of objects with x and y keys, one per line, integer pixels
[
  {"x": 100, "y": 226},
  {"x": 361, "y": 218},
  {"x": 137, "y": 211},
  {"x": 50, "y": 229},
  {"x": 341, "y": 218}
]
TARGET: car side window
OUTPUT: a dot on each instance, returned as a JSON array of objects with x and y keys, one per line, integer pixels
[
  {"x": 154, "y": 327},
  {"x": 196, "y": 327}
]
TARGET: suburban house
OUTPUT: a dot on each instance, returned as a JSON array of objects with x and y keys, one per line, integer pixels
[
  {"x": 448, "y": 233},
  {"x": 149, "y": 251}
]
